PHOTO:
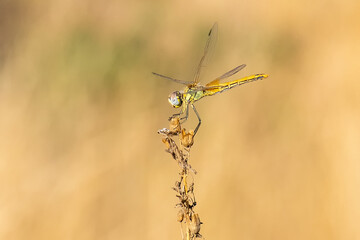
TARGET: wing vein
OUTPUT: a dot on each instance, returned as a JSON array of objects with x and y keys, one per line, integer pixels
[{"x": 172, "y": 79}]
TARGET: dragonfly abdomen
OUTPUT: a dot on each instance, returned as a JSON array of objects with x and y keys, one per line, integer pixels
[
  {"x": 229, "y": 85},
  {"x": 241, "y": 81}
]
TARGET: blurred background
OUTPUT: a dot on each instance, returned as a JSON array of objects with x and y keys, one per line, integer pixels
[{"x": 79, "y": 110}]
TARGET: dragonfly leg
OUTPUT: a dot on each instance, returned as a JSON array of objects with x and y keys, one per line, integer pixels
[
  {"x": 179, "y": 114},
  {"x": 174, "y": 116},
  {"x": 186, "y": 114},
  {"x": 197, "y": 114}
]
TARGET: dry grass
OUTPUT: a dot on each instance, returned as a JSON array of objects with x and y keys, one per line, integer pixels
[{"x": 79, "y": 158}]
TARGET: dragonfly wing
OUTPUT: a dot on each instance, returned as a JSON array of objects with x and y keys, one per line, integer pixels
[
  {"x": 210, "y": 45},
  {"x": 232, "y": 72},
  {"x": 226, "y": 75},
  {"x": 173, "y": 79}
]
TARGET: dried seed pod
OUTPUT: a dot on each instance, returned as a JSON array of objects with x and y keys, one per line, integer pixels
[
  {"x": 194, "y": 225},
  {"x": 175, "y": 125},
  {"x": 187, "y": 139},
  {"x": 180, "y": 215},
  {"x": 166, "y": 141}
]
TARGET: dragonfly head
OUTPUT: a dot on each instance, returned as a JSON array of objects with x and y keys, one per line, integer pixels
[{"x": 175, "y": 99}]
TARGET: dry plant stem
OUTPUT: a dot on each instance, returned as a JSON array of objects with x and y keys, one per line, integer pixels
[{"x": 187, "y": 217}]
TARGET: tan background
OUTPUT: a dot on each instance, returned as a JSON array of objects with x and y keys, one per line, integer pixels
[{"x": 79, "y": 109}]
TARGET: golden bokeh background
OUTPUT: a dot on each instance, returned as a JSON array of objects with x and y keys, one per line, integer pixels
[{"x": 79, "y": 110}]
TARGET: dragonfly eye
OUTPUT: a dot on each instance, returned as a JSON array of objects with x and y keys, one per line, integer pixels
[{"x": 175, "y": 99}]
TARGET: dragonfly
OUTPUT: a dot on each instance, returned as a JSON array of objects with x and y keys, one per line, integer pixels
[{"x": 195, "y": 91}]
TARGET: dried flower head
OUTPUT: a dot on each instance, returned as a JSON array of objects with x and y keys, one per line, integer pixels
[
  {"x": 187, "y": 138},
  {"x": 180, "y": 215},
  {"x": 194, "y": 224},
  {"x": 175, "y": 125}
]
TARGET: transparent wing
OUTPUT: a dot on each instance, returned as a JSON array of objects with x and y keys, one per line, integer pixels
[
  {"x": 173, "y": 79},
  {"x": 232, "y": 72},
  {"x": 209, "y": 47},
  {"x": 226, "y": 75}
]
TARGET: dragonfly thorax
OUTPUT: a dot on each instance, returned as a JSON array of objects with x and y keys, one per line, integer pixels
[{"x": 175, "y": 99}]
